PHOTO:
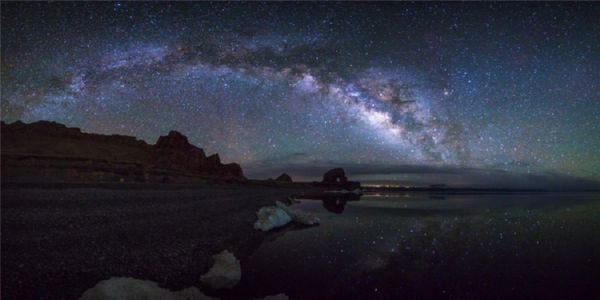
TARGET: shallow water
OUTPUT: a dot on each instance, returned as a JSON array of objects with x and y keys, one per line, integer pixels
[{"x": 436, "y": 246}]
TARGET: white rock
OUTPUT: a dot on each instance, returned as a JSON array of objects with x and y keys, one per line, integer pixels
[
  {"x": 126, "y": 288},
  {"x": 225, "y": 273},
  {"x": 270, "y": 217},
  {"x": 299, "y": 216}
]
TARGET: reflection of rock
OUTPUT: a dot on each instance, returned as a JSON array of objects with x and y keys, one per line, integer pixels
[
  {"x": 124, "y": 288},
  {"x": 270, "y": 217},
  {"x": 284, "y": 177},
  {"x": 333, "y": 202},
  {"x": 334, "y": 205},
  {"x": 299, "y": 216},
  {"x": 357, "y": 191},
  {"x": 225, "y": 273}
]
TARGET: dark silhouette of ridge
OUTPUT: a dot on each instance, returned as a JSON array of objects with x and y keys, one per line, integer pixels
[{"x": 46, "y": 151}]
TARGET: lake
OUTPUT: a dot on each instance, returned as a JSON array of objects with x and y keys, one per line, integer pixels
[{"x": 434, "y": 245}]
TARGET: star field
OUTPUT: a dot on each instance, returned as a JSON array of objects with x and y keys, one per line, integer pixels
[{"x": 457, "y": 93}]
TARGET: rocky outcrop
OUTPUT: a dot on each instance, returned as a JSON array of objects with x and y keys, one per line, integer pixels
[
  {"x": 126, "y": 288},
  {"x": 48, "y": 151},
  {"x": 225, "y": 273},
  {"x": 336, "y": 178},
  {"x": 284, "y": 178},
  {"x": 270, "y": 217},
  {"x": 175, "y": 150},
  {"x": 299, "y": 216}
]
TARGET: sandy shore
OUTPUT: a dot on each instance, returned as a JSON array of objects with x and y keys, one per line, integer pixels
[{"x": 58, "y": 242}]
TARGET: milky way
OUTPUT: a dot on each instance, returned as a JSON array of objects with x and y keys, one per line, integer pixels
[{"x": 463, "y": 94}]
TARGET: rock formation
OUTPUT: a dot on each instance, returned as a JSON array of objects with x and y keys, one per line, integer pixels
[
  {"x": 270, "y": 217},
  {"x": 284, "y": 178},
  {"x": 51, "y": 152},
  {"x": 336, "y": 178},
  {"x": 125, "y": 288},
  {"x": 299, "y": 216},
  {"x": 226, "y": 272}
]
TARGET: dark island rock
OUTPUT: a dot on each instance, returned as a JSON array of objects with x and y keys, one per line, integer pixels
[
  {"x": 284, "y": 178},
  {"x": 336, "y": 178},
  {"x": 51, "y": 152}
]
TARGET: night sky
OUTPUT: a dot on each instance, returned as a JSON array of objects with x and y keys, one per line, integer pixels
[{"x": 466, "y": 94}]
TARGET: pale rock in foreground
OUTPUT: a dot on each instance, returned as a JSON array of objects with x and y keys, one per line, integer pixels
[
  {"x": 225, "y": 273},
  {"x": 270, "y": 217},
  {"x": 299, "y": 216},
  {"x": 126, "y": 288}
]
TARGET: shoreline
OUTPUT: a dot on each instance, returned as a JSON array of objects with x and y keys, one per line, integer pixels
[{"x": 60, "y": 241}]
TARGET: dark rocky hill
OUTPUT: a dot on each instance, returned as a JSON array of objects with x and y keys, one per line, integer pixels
[{"x": 51, "y": 152}]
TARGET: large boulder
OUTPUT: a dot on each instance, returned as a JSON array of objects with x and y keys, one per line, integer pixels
[
  {"x": 284, "y": 178},
  {"x": 225, "y": 273},
  {"x": 125, "y": 288},
  {"x": 299, "y": 216},
  {"x": 270, "y": 217}
]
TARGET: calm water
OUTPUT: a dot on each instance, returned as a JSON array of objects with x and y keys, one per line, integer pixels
[{"x": 436, "y": 246}]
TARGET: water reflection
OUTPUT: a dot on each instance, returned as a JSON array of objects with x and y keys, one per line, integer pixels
[
  {"x": 333, "y": 202},
  {"x": 390, "y": 246}
]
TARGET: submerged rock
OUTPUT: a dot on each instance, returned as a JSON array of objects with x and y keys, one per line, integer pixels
[
  {"x": 299, "y": 216},
  {"x": 270, "y": 217},
  {"x": 126, "y": 288},
  {"x": 225, "y": 273}
]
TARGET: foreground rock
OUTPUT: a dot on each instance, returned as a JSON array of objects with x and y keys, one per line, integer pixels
[
  {"x": 299, "y": 216},
  {"x": 225, "y": 273},
  {"x": 168, "y": 235},
  {"x": 125, "y": 288},
  {"x": 51, "y": 152},
  {"x": 270, "y": 217}
]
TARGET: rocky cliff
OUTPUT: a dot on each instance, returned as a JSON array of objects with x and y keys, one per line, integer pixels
[{"x": 51, "y": 152}]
